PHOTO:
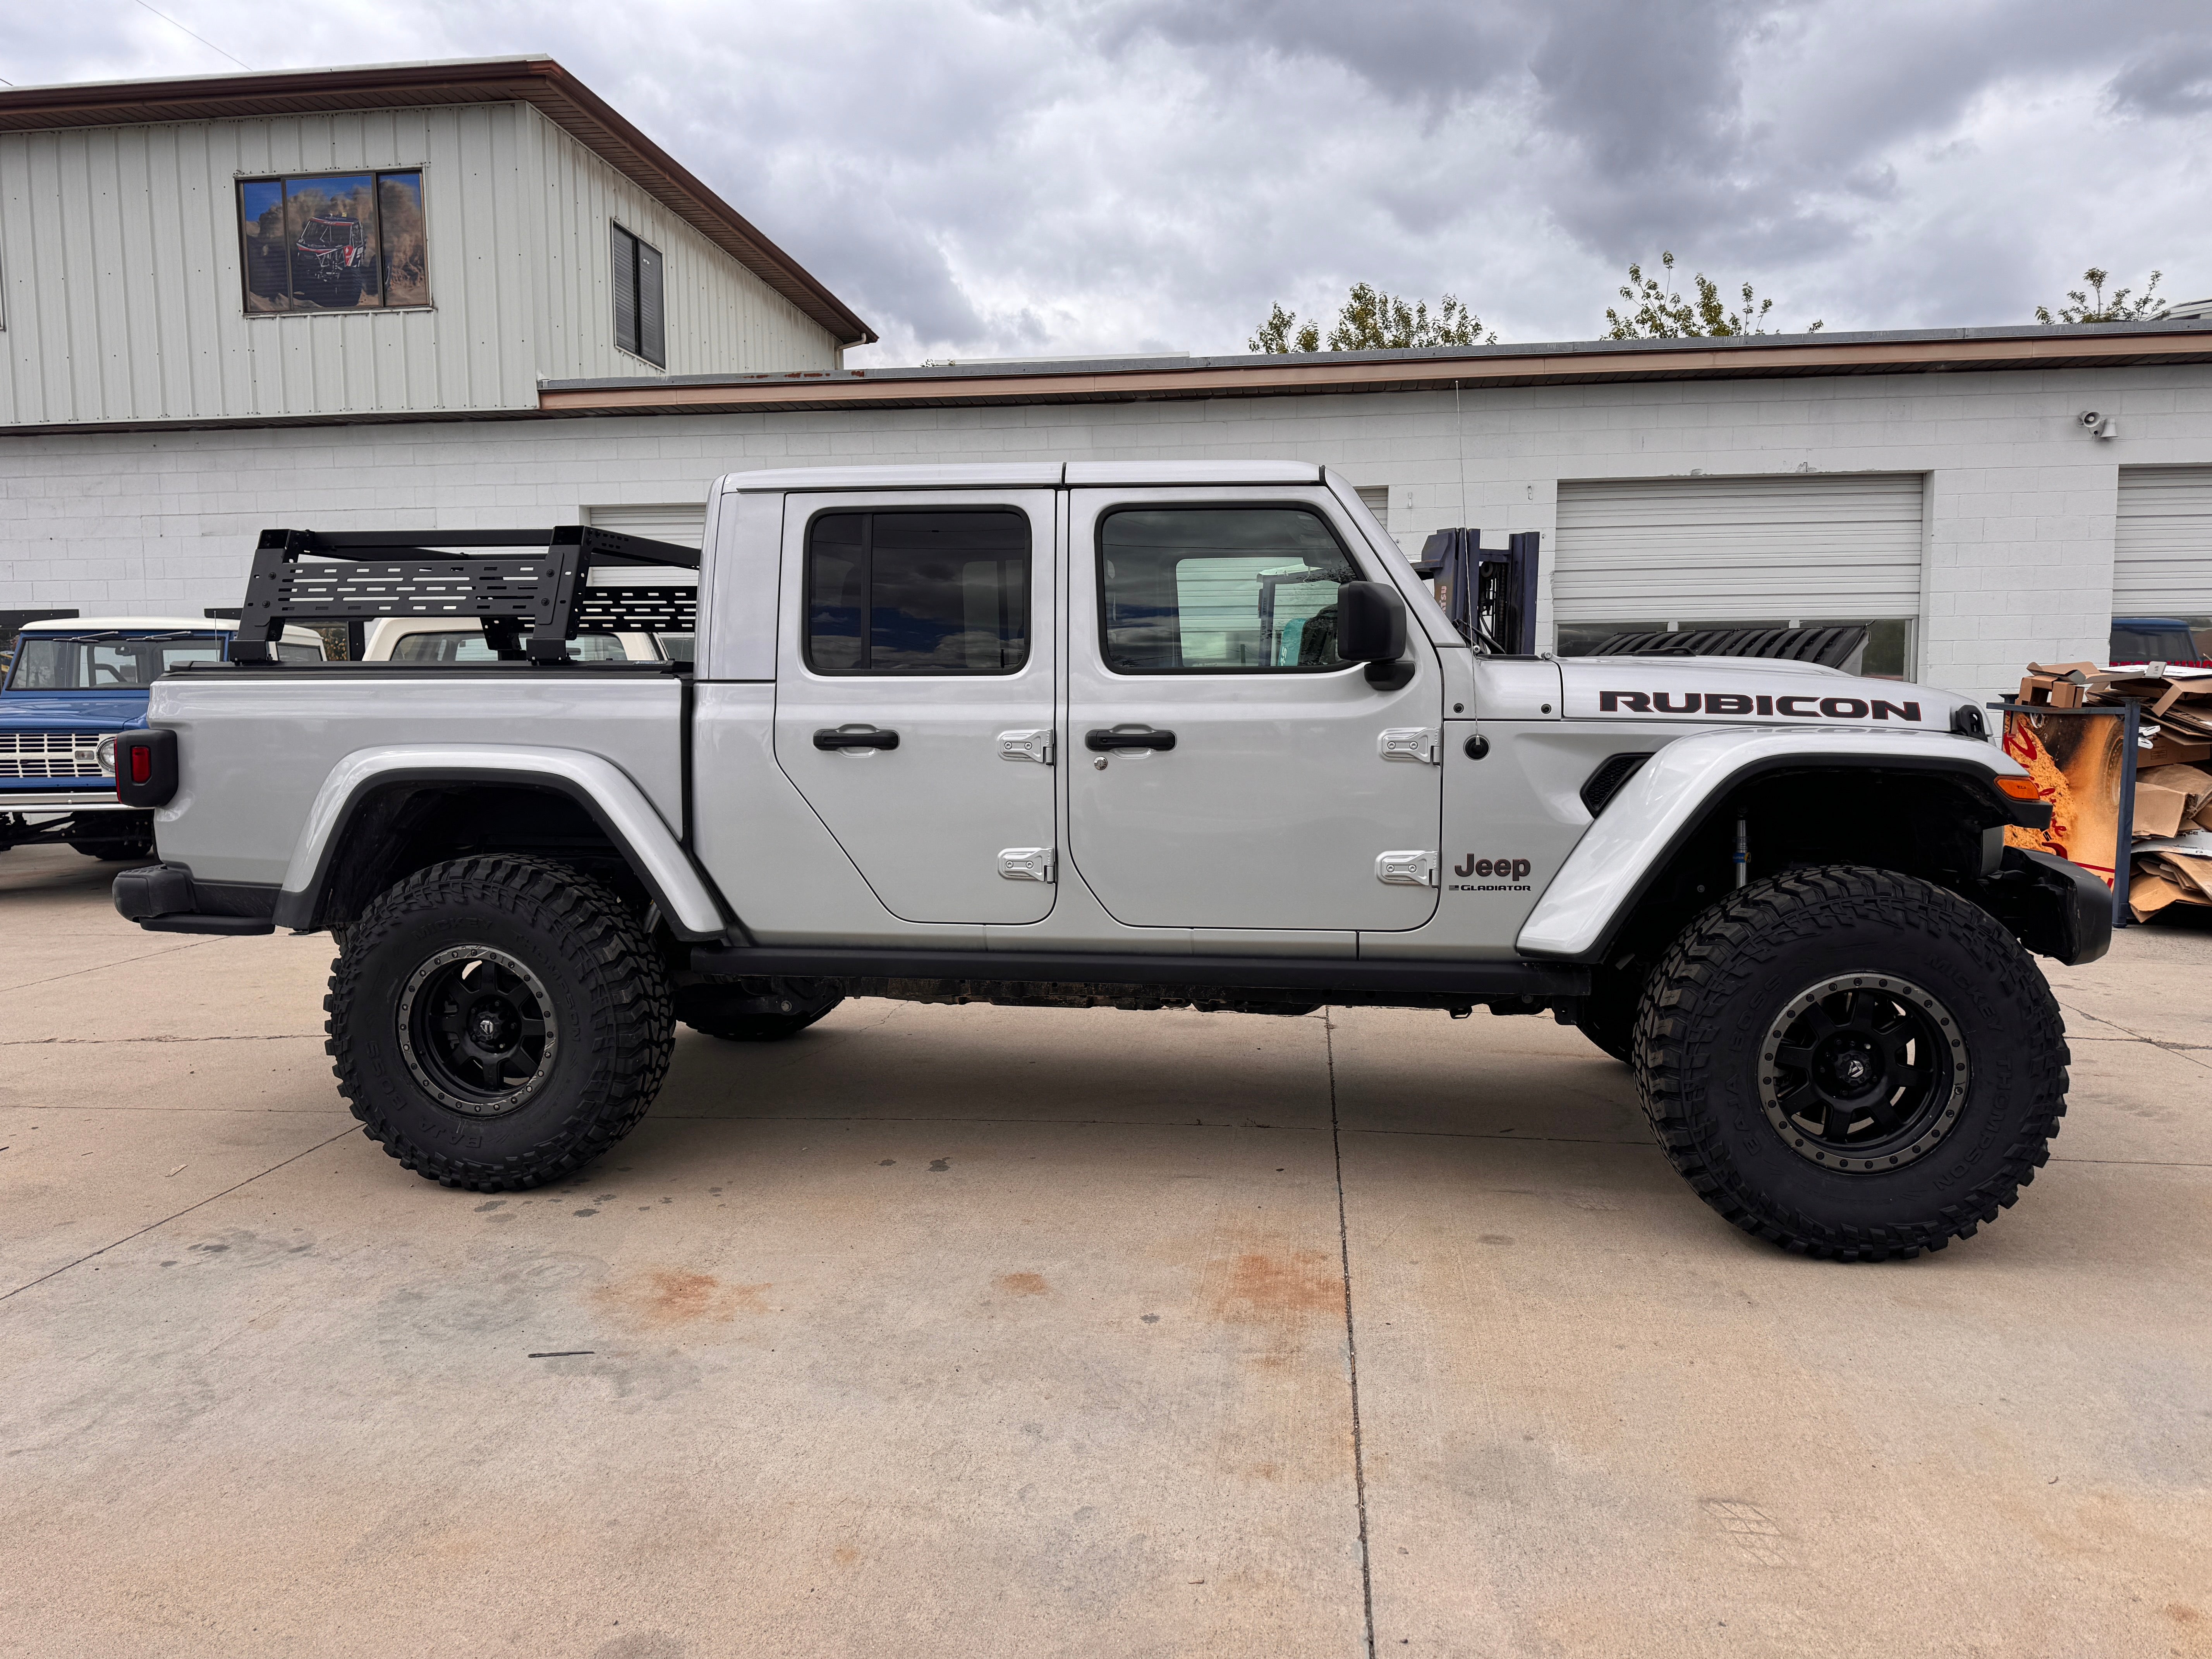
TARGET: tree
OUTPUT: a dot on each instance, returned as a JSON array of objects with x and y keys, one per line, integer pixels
[
  {"x": 2117, "y": 309},
  {"x": 1372, "y": 320},
  {"x": 1662, "y": 314}
]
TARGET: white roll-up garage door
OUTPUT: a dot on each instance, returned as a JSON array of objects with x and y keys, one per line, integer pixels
[
  {"x": 681, "y": 522},
  {"x": 1804, "y": 547},
  {"x": 2162, "y": 545}
]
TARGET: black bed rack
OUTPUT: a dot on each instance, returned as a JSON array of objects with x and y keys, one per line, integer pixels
[{"x": 357, "y": 576}]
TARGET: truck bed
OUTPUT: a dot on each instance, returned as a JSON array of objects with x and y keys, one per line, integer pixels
[{"x": 283, "y": 728}]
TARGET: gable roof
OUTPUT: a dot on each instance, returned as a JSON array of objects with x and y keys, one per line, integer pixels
[{"x": 533, "y": 79}]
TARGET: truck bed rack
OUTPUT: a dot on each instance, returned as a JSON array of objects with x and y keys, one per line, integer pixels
[{"x": 547, "y": 593}]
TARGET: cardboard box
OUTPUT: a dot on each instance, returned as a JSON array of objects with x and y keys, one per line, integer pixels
[
  {"x": 2160, "y": 811},
  {"x": 2169, "y": 749}
]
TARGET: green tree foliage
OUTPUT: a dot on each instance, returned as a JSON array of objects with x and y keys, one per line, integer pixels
[
  {"x": 2120, "y": 308},
  {"x": 1661, "y": 314},
  {"x": 1372, "y": 320}
]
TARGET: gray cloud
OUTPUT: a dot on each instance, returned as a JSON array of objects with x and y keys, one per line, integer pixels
[
  {"x": 990, "y": 177},
  {"x": 2172, "y": 76}
]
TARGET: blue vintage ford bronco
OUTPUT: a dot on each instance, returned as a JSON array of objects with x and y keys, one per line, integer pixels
[{"x": 75, "y": 683}]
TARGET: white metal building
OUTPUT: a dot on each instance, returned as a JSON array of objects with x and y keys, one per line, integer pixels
[{"x": 553, "y": 321}]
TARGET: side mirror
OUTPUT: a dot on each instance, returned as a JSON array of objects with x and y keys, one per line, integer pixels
[{"x": 1370, "y": 622}]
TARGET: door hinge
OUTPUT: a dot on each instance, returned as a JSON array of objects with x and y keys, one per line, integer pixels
[
  {"x": 1406, "y": 869},
  {"x": 1408, "y": 743},
  {"x": 1032, "y": 744},
  {"x": 1028, "y": 863}
]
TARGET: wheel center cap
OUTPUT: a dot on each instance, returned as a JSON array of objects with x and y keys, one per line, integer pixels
[{"x": 493, "y": 1026}]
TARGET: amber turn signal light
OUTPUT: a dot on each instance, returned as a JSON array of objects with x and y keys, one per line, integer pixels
[{"x": 2017, "y": 788}]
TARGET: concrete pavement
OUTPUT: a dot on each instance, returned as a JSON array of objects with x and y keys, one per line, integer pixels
[{"x": 950, "y": 1331}]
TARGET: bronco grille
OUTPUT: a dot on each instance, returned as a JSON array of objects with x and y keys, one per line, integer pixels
[{"x": 49, "y": 755}]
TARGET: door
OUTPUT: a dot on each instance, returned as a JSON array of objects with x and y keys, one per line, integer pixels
[
  {"x": 1225, "y": 768},
  {"x": 1634, "y": 554},
  {"x": 913, "y": 704}
]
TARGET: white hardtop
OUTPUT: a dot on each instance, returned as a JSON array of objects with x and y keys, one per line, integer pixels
[
  {"x": 1023, "y": 475},
  {"x": 293, "y": 633},
  {"x": 132, "y": 624}
]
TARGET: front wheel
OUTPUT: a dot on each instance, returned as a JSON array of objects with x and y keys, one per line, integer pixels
[
  {"x": 1851, "y": 1063},
  {"x": 498, "y": 1023}
]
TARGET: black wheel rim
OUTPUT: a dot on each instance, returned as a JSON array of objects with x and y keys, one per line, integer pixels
[
  {"x": 1862, "y": 1072},
  {"x": 476, "y": 1028}
]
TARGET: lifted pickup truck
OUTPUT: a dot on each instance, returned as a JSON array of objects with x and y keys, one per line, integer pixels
[{"x": 1143, "y": 735}]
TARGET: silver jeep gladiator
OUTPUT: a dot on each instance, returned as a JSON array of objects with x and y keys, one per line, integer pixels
[{"x": 1137, "y": 735}]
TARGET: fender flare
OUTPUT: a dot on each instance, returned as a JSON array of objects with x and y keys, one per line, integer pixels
[
  {"x": 1668, "y": 799},
  {"x": 603, "y": 789}
]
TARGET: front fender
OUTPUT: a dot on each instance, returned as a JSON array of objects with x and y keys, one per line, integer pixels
[
  {"x": 597, "y": 785},
  {"x": 1656, "y": 811}
]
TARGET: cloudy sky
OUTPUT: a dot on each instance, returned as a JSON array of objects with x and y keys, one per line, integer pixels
[{"x": 982, "y": 178}]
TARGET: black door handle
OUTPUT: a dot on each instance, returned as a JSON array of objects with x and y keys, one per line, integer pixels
[
  {"x": 1102, "y": 739},
  {"x": 830, "y": 737}
]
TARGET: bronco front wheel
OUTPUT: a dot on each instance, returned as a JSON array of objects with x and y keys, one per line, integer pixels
[
  {"x": 1852, "y": 1063},
  {"x": 497, "y": 1023}
]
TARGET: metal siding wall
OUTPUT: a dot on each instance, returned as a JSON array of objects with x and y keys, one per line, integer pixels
[
  {"x": 720, "y": 317},
  {"x": 1841, "y": 548},
  {"x": 119, "y": 250},
  {"x": 2162, "y": 543}
]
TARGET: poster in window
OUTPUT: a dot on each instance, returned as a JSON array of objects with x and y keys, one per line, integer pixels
[{"x": 333, "y": 242}]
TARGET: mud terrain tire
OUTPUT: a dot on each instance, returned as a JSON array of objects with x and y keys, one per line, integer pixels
[
  {"x": 1778, "y": 968},
  {"x": 496, "y": 947}
]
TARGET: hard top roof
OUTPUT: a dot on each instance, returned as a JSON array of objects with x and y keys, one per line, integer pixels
[
  {"x": 1026, "y": 475},
  {"x": 150, "y": 625}
]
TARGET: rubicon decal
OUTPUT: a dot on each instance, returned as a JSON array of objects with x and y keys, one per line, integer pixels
[{"x": 1744, "y": 702}]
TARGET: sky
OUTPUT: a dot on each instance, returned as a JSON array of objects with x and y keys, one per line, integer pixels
[{"x": 1026, "y": 178}]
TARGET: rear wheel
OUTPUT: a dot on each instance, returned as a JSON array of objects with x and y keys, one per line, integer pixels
[
  {"x": 498, "y": 1023},
  {"x": 1852, "y": 1063}
]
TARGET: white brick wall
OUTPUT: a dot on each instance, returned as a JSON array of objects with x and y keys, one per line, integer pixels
[{"x": 2019, "y": 518}]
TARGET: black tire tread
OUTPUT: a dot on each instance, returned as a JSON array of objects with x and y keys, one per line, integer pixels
[
  {"x": 633, "y": 1006},
  {"x": 1719, "y": 951}
]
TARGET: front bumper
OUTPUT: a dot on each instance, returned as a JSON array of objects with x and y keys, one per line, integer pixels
[
  {"x": 163, "y": 898},
  {"x": 62, "y": 800},
  {"x": 2055, "y": 909}
]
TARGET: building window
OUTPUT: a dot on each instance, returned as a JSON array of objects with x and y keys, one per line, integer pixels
[
  {"x": 638, "y": 328},
  {"x": 336, "y": 241},
  {"x": 918, "y": 593}
]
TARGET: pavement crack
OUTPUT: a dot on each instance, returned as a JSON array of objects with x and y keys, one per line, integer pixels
[
  {"x": 1350, "y": 1340},
  {"x": 116, "y": 1243},
  {"x": 102, "y": 967},
  {"x": 94, "y": 1043}
]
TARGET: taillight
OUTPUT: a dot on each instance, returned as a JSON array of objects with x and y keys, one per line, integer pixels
[{"x": 146, "y": 767}]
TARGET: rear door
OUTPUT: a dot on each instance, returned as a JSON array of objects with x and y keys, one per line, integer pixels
[
  {"x": 1226, "y": 769},
  {"x": 915, "y": 705}
]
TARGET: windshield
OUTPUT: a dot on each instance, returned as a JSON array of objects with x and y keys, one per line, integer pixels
[{"x": 104, "y": 662}]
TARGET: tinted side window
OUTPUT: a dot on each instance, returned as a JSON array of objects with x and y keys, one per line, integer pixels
[
  {"x": 918, "y": 593},
  {"x": 1234, "y": 589}
]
